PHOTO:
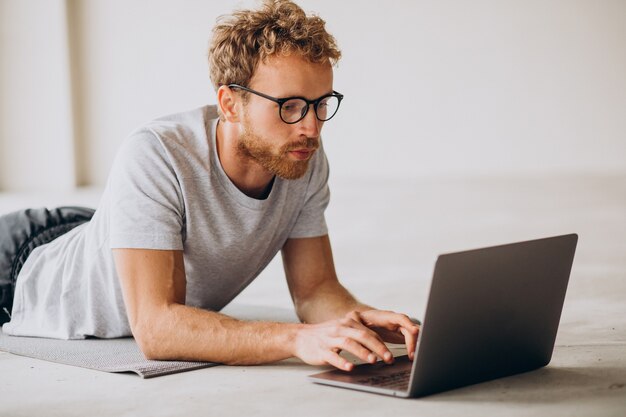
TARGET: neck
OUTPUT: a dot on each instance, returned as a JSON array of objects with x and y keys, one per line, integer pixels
[{"x": 249, "y": 177}]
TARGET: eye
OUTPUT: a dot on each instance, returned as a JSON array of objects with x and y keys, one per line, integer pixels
[{"x": 293, "y": 106}]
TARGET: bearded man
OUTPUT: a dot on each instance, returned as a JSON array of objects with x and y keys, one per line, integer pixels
[{"x": 196, "y": 205}]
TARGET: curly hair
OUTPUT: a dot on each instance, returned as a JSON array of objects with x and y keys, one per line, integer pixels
[{"x": 279, "y": 27}]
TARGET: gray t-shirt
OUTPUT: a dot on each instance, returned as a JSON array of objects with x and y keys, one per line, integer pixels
[{"x": 167, "y": 190}]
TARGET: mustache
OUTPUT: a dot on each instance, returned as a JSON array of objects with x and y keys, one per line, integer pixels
[{"x": 309, "y": 143}]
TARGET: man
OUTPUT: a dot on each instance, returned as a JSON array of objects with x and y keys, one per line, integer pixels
[{"x": 197, "y": 204}]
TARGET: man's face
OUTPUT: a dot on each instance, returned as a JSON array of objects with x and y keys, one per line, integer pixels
[{"x": 283, "y": 149}]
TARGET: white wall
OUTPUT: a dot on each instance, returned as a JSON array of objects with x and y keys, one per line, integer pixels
[
  {"x": 36, "y": 128},
  {"x": 483, "y": 87},
  {"x": 137, "y": 60},
  {"x": 432, "y": 87}
]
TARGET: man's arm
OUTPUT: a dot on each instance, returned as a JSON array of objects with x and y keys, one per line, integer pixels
[
  {"x": 318, "y": 296},
  {"x": 153, "y": 285},
  {"x": 315, "y": 289}
]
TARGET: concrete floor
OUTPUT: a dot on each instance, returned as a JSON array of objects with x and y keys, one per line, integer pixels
[{"x": 386, "y": 235}]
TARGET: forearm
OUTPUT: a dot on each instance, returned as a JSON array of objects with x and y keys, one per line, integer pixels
[
  {"x": 329, "y": 301},
  {"x": 180, "y": 332}
]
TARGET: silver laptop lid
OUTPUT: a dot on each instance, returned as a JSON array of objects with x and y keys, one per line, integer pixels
[{"x": 492, "y": 312}]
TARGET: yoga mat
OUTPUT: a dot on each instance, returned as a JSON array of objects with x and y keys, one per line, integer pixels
[{"x": 108, "y": 355}]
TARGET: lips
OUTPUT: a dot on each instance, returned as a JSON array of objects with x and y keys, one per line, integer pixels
[{"x": 302, "y": 154}]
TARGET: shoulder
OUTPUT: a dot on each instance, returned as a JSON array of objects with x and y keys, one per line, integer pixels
[
  {"x": 177, "y": 140},
  {"x": 191, "y": 123}
]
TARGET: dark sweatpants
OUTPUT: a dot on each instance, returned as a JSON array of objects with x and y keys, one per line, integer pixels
[{"x": 24, "y": 230}]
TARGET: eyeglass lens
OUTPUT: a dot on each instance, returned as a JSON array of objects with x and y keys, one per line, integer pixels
[{"x": 295, "y": 109}]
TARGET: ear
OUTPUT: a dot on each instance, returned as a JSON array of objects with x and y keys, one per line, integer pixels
[{"x": 229, "y": 104}]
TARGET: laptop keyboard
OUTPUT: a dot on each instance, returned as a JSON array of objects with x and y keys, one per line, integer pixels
[{"x": 397, "y": 380}]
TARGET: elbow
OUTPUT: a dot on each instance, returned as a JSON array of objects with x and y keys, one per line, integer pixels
[
  {"x": 149, "y": 337},
  {"x": 157, "y": 333},
  {"x": 147, "y": 340},
  {"x": 305, "y": 312}
]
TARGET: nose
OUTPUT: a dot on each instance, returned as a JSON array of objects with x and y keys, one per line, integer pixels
[{"x": 310, "y": 125}]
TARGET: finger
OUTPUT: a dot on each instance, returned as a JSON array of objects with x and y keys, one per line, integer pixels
[
  {"x": 405, "y": 330},
  {"x": 357, "y": 349},
  {"x": 356, "y": 324},
  {"x": 411, "y": 342},
  {"x": 390, "y": 320},
  {"x": 353, "y": 328},
  {"x": 411, "y": 335},
  {"x": 406, "y": 322},
  {"x": 377, "y": 318},
  {"x": 370, "y": 340},
  {"x": 338, "y": 361}
]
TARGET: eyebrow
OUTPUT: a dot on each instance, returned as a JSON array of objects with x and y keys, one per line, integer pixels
[{"x": 329, "y": 93}]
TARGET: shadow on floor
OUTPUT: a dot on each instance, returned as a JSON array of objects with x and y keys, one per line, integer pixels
[{"x": 546, "y": 385}]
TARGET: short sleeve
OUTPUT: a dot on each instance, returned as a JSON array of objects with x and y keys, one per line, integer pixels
[
  {"x": 311, "y": 221},
  {"x": 146, "y": 205}
]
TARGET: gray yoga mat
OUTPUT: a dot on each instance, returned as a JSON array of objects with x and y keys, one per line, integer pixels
[{"x": 109, "y": 355}]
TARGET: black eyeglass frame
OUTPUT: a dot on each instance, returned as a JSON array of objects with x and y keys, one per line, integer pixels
[{"x": 281, "y": 101}]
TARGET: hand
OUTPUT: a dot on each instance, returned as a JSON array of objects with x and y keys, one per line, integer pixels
[
  {"x": 391, "y": 327},
  {"x": 320, "y": 344}
]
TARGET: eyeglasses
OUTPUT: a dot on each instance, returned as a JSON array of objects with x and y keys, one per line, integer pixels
[{"x": 294, "y": 109}]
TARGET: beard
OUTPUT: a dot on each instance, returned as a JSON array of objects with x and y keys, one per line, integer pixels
[{"x": 276, "y": 161}]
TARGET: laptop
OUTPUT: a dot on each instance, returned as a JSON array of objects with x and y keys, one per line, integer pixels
[{"x": 491, "y": 312}]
